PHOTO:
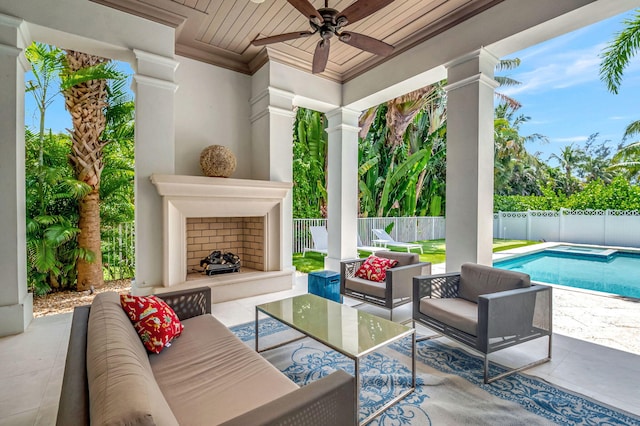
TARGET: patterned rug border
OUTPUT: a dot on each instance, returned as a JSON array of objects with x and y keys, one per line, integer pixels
[{"x": 534, "y": 394}]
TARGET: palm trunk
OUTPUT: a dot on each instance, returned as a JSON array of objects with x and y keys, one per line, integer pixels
[
  {"x": 90, "y": 273},
  {"x": 86, "y": 101}
]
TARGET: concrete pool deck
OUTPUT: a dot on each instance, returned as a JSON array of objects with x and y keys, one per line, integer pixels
[{"x": 608, "y": 320}]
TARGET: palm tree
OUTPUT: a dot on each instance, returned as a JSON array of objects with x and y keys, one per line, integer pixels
[
  {"x": 618, "y": 53},
  {"x": 628, "y": 159},
  {"x": 46, "y": 63},
  {"x": 569, "y": 159},
  {"x": 515, "y": 170},
  {"x": 85, "y": 96},
  {"x": 615, "y": 58}
]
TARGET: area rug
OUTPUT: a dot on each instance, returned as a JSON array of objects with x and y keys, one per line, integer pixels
[{"x": 449, "y": 391}]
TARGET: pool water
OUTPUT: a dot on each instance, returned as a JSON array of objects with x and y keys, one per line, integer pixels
[{"x": 617, "y": 272}]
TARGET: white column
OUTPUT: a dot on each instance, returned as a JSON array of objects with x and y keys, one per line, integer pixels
[
  {"x": 342, "y": 186},
  {"x": 16, "y": 303},
  {"x": 272, "y": 119},
  {"x": 469, "y": 210},
  {"x": 154, "y": 87}
]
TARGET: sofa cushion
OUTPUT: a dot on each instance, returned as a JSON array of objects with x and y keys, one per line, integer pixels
[
  {"x": 455, "y": 312},
  {"x": 371, "y": 288},
  {"x": 375, "y": 268},
  {"x": 403, "y": 259},
  {"x": 122, "y": 388},
  {"x": 209, "y": 376},
  {"x": 479, "y": 279},
  {"x": 156, "y": 323}
]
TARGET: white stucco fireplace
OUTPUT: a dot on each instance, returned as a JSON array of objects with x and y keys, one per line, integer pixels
[{"x": 189, "y": 197}]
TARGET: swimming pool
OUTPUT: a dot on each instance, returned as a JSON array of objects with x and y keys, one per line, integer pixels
[{"x": 591, "y": 268}]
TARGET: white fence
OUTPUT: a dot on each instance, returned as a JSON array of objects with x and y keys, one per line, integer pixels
[
  {"x": 603, "y": 227},
  {"x": 404, "y": 229}
]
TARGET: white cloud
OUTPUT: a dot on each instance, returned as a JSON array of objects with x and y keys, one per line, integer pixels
[
  {"x": 558, "y": 71},
  {"x": 571, "y": 139}
]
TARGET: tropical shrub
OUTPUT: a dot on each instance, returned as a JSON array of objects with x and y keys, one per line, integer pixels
[
  {"x": 52, "y": 195},
  {"x": 309, "y": 164},
  {"x": 620, "y": 194}
]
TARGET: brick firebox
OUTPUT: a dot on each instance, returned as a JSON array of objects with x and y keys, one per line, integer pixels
[{"x": 243, "y": 236}]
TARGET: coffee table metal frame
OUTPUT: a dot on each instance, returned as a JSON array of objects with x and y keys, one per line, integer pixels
[{"x": 355, "y": 357}]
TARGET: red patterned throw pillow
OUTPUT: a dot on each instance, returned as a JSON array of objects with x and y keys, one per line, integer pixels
[
  {"x": 156, "y": 323},
  {"x": 375, "y": 268}
]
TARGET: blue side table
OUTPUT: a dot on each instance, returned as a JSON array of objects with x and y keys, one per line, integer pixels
[{"x": 325, "y": 284}]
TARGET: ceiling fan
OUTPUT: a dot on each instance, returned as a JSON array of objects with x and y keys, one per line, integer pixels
[{"x": 329, "y": 22}]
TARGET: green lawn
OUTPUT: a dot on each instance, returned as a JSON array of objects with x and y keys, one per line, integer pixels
[{"x": 434, "y": 252}]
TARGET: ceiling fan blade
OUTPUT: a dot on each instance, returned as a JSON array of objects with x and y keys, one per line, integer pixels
[
  {"x": 306, "y": 8},
  {"x": 281, "y": 37},
  {"x": 363, "y": 8},
  {"x": 321, "y": 56},
  {"x": 367, "y": 43}
]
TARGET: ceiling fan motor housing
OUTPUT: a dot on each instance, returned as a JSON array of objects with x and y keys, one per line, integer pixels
[{"x": 330, "y": 24}]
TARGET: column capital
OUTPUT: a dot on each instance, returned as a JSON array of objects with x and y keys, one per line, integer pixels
[
  {"x": 478, "y": 78},
  {"x": 15, "y": 52},
  {"x": 343, "y": 120},
  {"x": 475, "y": 67},
  {"x": 482, "y": 56},
  {"x": 345, "y": 115},
  {"x": 271, "y": 100},
  {"x": 157, "y": 83},
  {"x": 155, "y": 66},
  {"x": 272, "y": 96}
]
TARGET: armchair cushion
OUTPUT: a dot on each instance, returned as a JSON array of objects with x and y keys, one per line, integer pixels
[
  {"x": 375, "y": 268},
  {"x": 455, "y": 312},
  {"x": 371, "y": 288},
  {"x": 479, "y": 279}
]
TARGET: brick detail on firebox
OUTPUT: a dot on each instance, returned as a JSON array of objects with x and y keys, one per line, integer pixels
[{"x": 243, "y": 236}]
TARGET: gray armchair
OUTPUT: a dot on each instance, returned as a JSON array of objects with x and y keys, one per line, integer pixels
[
  {"x": 486, "y": 309},
  {"x": 394, "y": 291}
]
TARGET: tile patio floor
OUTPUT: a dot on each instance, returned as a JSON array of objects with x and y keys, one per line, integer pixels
[{"x": 32, "y": 363}]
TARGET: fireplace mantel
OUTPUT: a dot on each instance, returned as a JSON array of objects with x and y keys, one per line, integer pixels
[
  {"x": 201, "y": 186},
  {"x": 233, "y": 197},
  {"x": 197, "y": 196}
]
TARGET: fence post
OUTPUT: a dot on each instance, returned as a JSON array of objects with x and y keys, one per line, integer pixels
[
  {"x": 604, "y": 227},
  {"x": 561, "y": 225},
  {"x": 500, "y": 230},
  {"x": 433, "y": 229},
  {"x": 528, "y": 225}
]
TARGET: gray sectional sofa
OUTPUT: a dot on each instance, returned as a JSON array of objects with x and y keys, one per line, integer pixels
[{"x": 206, "y": 377}]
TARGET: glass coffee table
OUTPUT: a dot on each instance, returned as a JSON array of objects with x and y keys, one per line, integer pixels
[{"x": 344, "y": 329}]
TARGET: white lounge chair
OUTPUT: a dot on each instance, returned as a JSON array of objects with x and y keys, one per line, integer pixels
[
  {"x": 320, "y": 239},
  {"x": 384, "y": 239},
  {"x": 370, "y": 249}
]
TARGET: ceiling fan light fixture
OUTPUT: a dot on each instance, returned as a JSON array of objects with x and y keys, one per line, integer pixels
[{"x": 257, "y": 1}]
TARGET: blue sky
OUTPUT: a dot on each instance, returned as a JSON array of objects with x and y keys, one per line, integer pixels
[{"x": 562, "y": 93}]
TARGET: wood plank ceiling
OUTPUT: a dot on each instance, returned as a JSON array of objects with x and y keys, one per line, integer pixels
[{"x": 220, "y": 31}]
